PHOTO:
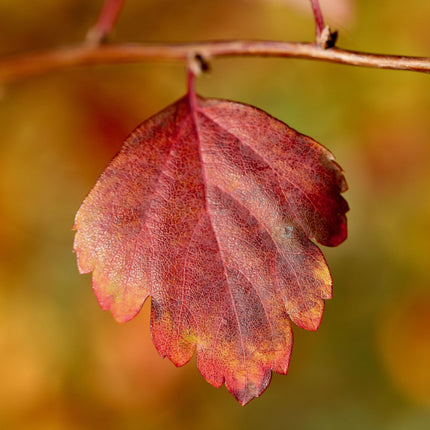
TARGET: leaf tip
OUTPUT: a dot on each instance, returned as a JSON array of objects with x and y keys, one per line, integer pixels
[{"x": 251, "y": 389}]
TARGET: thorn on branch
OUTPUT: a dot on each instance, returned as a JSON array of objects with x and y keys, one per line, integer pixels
[
  {"x": 198, "y": 63},
  {"x": 204, "y": 63},
  {"x": 95, "y": 38},
  {"x": 327, "y": 39},
  {"x": 99, "y": 33}
]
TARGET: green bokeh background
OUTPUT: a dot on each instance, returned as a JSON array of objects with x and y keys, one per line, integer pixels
[{"x": 65, "y": 364}]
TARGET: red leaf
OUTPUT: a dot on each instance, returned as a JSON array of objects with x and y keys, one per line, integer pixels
[{"x": 209, "y": 208}]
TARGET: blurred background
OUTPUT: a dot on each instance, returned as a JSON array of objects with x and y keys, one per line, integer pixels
[{"x": 65, "y": 364}]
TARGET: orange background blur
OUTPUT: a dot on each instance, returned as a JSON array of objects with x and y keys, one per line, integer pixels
[{"x": 65, "y": 364}]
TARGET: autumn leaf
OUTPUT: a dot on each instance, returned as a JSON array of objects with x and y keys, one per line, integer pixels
[{"x": 210, "y": 208}]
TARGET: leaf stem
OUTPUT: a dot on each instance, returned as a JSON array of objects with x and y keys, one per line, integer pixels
[
  {"x": 191, "y": 81},
  {"x": 319, "y": 19},
  {"x": 28, "y": 65}
]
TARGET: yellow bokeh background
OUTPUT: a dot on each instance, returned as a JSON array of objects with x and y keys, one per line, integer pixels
[{"x": 65, "y": 364}]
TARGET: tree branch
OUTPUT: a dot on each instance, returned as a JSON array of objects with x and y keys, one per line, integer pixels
[{"x": 28, "y": 65}]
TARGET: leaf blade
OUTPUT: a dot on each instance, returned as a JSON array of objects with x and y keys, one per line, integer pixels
[{"x": 209, "y": 209}]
